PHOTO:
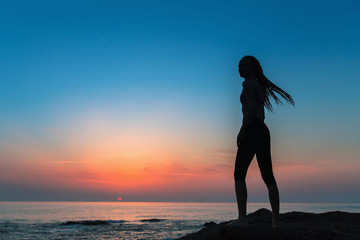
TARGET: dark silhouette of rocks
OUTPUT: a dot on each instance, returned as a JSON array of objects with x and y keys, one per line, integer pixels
[{"x": 293, "y": 226}]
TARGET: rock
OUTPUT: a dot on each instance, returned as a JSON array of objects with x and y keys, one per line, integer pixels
[
  {"x": 209, "y": 224},
  {"x": 293, "y": 226}
]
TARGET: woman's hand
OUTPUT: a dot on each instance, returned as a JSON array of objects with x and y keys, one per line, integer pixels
[{"x": 240, "y": 137}]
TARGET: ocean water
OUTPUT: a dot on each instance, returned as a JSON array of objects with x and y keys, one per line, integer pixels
[{"x": 126, "y": 220}]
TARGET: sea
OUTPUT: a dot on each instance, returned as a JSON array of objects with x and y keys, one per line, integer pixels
[{"x": 127, "y": 220}]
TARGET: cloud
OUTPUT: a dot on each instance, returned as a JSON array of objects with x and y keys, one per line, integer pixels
[
  {"x": 54, "y": 130},
  {"x": 62, "y": 162},
  {"x": 79, "y": 162}
]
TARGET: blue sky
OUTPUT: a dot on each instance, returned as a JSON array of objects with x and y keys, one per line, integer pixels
[{"x": 171, "y": 66}]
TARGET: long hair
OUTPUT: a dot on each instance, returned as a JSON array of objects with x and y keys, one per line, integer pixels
[{"x": 269, "y": 87}]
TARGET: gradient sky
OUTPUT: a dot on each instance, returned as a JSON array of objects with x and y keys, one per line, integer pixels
[{"x": 140, "y": 99}]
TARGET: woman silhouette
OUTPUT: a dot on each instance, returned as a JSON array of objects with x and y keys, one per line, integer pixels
[{"x": 254, "y": 136}]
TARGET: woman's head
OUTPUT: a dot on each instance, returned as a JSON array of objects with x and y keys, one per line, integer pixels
[{"x": 250, "y": 66}]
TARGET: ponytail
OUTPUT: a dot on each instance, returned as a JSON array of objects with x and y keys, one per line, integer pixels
[{"x": 270, "y": 89}]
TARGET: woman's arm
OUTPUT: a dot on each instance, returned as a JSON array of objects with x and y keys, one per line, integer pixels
[{"x": 249, "y": 91}]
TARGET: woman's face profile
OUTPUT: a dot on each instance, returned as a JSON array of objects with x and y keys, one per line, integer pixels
[{"x": 245, "y": 68}]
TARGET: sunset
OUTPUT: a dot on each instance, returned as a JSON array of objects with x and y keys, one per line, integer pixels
[{"x": 139, "y": 101}]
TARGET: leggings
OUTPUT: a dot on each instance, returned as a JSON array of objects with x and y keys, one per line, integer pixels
[{"x": 256, "y": 142}]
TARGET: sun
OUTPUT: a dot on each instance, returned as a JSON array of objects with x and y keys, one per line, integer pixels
[{"x": 119, "y": 198}]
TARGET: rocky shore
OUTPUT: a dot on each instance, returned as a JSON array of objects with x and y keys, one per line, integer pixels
[{"x": 293, "y": 226}]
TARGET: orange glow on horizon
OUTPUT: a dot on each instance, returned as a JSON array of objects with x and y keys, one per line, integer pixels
[{"x": 133, "y": 164}]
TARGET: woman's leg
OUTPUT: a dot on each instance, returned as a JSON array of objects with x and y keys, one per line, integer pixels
[
  {"x": 241, "y": 198},
  {"x": 244, "y": 156},
  {"x": 275, "y": 203},
  {"x": 263, "y": 155}
]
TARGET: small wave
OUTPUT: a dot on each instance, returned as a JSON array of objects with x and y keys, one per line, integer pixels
[
  {"x": 86, "y": 222},
  {"x": 152, "y": 220},
  {"x": 116, "y": 221},
  {"x": 20, "y": 220},
  {"x": 92, "y": 222}
]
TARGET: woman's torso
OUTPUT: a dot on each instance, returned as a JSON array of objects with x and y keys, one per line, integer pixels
[{"x": 259, "y": 94}]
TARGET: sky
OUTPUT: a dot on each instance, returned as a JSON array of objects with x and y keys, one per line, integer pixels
[{"x": 140, "y": 99}]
